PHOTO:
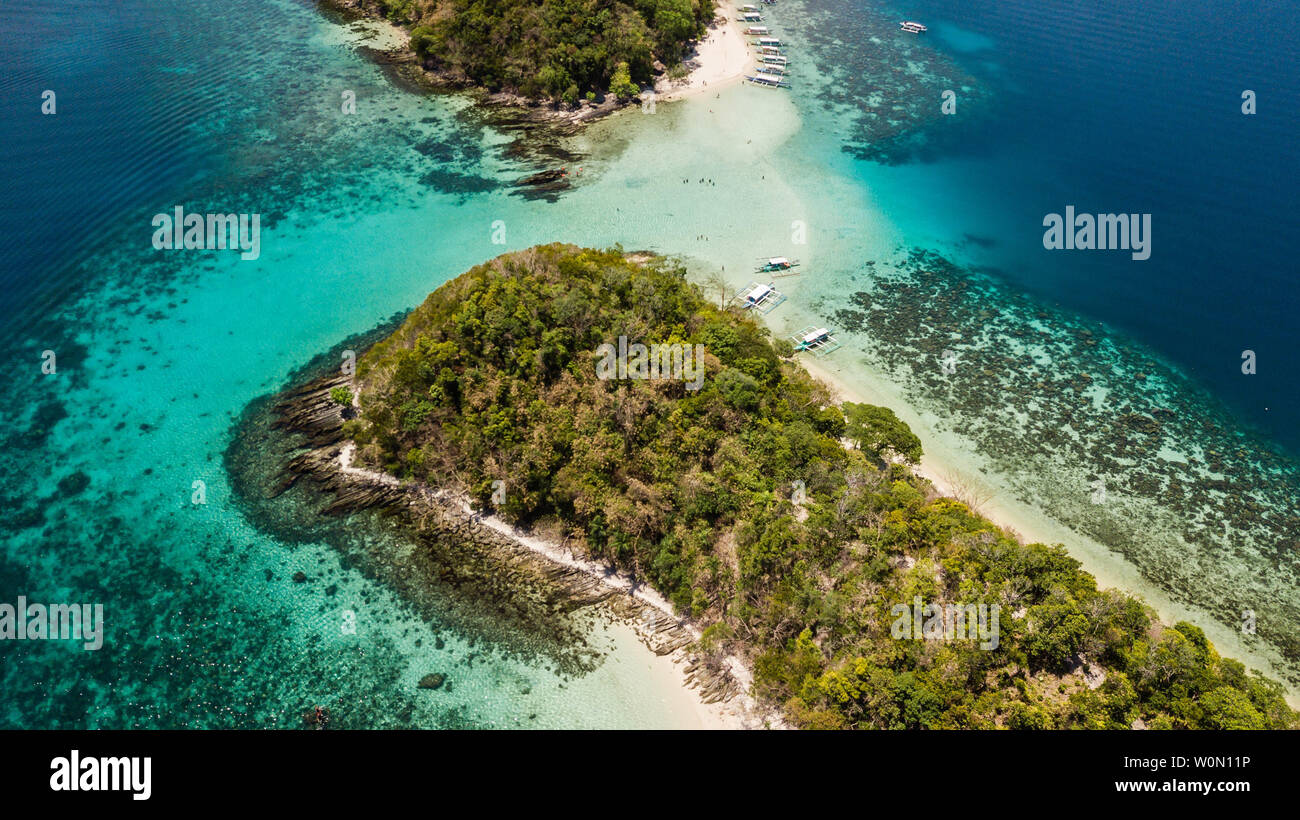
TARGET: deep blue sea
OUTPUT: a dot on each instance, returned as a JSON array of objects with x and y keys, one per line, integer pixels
[
  {"x": 1121, "y": 107},
  {"x": 1112, "y": 107}
]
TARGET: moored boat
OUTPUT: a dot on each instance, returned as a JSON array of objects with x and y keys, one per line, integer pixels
[
  {"x": 774, "y": 263},
  {"x": 816, "y": 340},
  {"x": 912, "y": 27},
  {"x": 759, "y": 297}
]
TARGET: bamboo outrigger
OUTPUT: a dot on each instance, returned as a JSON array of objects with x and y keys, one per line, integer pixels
[
  {"x": 763, "y": 298},
  {"x": 815, "y": 340},
  {"x": 768, "y": 80},
  {"x": 777, "y": 264}
]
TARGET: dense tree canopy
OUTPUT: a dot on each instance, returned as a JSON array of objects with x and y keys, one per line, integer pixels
[
  {"x": 738, "y": 501},
  {"x": 550, "y": 48}
]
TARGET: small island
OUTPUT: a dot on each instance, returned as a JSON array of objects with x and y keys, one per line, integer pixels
[
  {"x": 572, "y": 55},
  {"x": 801, "y": 554}
]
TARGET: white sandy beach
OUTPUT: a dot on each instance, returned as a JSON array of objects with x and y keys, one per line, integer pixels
[
  {"x": 953, "y": 474},
  {"x": 723, "y": 56}
]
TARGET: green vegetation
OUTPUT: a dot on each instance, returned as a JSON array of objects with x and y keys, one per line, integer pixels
[
  {"x": 551, "y": 48},
  {"x": 739, "y": 502},
  {"x": 342, "y": 395},
  {"x": 877, "y": 429}
]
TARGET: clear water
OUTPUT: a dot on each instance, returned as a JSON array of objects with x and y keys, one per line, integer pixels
[{"x": 236, "y": 108}]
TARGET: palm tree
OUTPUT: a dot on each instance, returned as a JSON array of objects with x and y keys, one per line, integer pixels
[{"x": 714, "y": 282}]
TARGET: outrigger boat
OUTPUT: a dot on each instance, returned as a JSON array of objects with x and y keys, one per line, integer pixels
[
  {"x": 773, "y": 59},
  {"x": 763, "y": 298},
  {"x": 777, "y": 263},
  {"x": 815, "y": 340},
  {"x": 768, "y": 42},
  {"x": 768, "y": 80},
  {"x": 758, "y": 31},
  {"x": 912, "y": 27},
  {"x": 747, "y": 9},
  {"x": 778, "y": 70},
  {"x": 751, "y": 17}
]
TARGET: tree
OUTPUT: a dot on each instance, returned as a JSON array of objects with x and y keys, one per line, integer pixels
[
  {"x": 1228, "y": 708},
  {"x": 553, "y": 79},
  {"x": 715, "y": 283},
  {"x": 676, "y": 24},
  {"x": 424, "y": 41},
  {"x": 621, "y": 85},
  {"x": 877, "y": 429},
  {"x": 342, "y": 395}
]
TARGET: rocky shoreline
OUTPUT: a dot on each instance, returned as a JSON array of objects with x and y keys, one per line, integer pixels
[{"x": 315, "y": 421}]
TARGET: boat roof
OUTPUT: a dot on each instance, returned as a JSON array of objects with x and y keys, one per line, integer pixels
[{"x": 814, "y": 335}]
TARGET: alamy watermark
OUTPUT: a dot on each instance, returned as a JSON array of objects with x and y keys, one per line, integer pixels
[
  {"x": 933, "y": 622},
  {"x": 75, "y": 773},
  {"x": 53, "y": 622},
  {"x": 214, "y": 232},
  {"x": 1106, "y": 232},
  {"x": 675, "y": 361}
]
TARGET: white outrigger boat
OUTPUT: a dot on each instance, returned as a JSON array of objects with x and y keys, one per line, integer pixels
[
  {"x": 775, "y": 264},
  {"x": 912, "y": 27},
  {"x": 815, "y": 340},
  {"x": 751, "y": 17},
  {"x": 758, "y": 31},
  {"x": 765, "y": 68},
  {"x": 769, "y": 80},
  {"x": 768, "y": 42},
  {"x": 746, "y": 9},
  {"x": 773, "y": 59},
  {"x": 763, "y": 298}
]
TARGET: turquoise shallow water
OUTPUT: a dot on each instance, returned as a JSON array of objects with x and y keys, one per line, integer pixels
[
  {"x": 158, "y": 353},
  {"x": 363, "y": 215}
]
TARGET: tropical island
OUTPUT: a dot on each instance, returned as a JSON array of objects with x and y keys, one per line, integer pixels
[
  {"x": 563, "y": 51},
  {"x": 788, "y": 531}
]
